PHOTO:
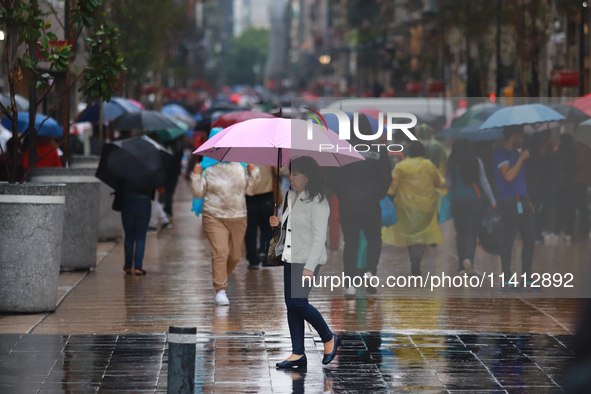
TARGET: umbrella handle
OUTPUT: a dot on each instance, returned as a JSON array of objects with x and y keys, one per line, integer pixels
[{"x": 278, "y": 181}]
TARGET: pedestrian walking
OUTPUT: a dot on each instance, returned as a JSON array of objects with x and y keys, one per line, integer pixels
[
  {"x": 582, "y": 181},
  {"x": 259, "y": 208},
  {"x": 175, "y": 147},
  {"x": 136, "y": 210},
  {"x": 563, "y": 164},
  {"x": 158, "y": 216},
  {"x": 466, "y": 181},
  {"x": 359, "y": 188},
  {"x": 304, "y": 224},
  {"x": 513, "y": 204},
  {"x": 414, "y": 184},
  {"x": 434, "y": 150},
  {"x": 223, "y": 187},
  {"x": 539, "y": 184}
]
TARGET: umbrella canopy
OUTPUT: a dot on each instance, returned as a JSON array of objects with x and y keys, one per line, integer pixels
[
  {"x": 22, "y": 104},
  {"x": 272, "y": 139},
  {"x": 228, "y": 119},
  {"x": 583, "y": 132},
  {"x": 473, "y": 133},
  {"x": 435, "y": 121},
  {"x": 50, "y": 127},
  {"x": 176, "y": 110},
  {"x": 207, "y": 117},
  {"x": 333, "y": 122},
  {"x": 571, "y": 113},
  {"x": 475, "y": 115},
  {"x": 275, "y": 142},
  {"x": 166, "y": 135},
  {"x": 111, "y": 110},
  {"x": 583, "y": 103},
  {"x": 143, "y": 120},
  {"x": 521, "y": 115},
  {"x": 134, "y": 165},
  {"x": 136, "y": 103}
]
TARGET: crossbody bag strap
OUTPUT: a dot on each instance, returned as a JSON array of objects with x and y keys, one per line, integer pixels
[{"x": 285, "y": 202}]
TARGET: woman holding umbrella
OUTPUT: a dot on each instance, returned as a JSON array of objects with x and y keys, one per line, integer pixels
[{"x": 303, "y": 252}]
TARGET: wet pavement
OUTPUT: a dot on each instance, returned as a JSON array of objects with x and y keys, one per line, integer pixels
[
  {"x": 368, "y": 362},
  {"x": 107, "y": 334}
]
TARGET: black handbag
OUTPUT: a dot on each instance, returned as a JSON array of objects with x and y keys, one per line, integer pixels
[
  {"x": 117, "y": 202},
  {"x": 271, "y": 259}
]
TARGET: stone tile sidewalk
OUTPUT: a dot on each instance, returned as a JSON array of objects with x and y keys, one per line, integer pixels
[{"x": 368, "y": 362}]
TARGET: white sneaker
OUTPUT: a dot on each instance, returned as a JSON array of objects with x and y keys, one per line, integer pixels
[
  {"x": 566, "y": 238},
  {"x": 221, "y": 298},
  {"x": 350, "y": 291},
  {"x": 551, "y": 236}
]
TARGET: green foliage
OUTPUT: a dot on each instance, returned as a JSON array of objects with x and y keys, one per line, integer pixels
[
  {"x": 104, "y": 63},
  {"x": 251, "y": 48},
  {"x": 27, "y": 28},
  {"x": 31, "y": 26},
  {"x": 148, "y": 29},
  {"x": 83, "y": 12}
]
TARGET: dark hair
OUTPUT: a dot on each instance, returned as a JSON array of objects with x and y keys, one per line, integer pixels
[
  {"x": 416, "y": 149},
  {"x": 508, "y": 131},
  {"x": 308, "y": 167},
  {"x": 462, "y": 156}
]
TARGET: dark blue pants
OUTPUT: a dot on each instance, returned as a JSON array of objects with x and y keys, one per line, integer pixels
[
  {"x": 260, "y": 208},
  {"x": 467, "y": 215},
  {"x": 299, "y": 310},
  {"x": 135, "y": 215},
  {"x": 513, "y": 223},
  {"x": 353, "y": 220}
]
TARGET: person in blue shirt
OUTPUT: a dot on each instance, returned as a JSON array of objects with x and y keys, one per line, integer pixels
[{"x": 513, "y": 204}]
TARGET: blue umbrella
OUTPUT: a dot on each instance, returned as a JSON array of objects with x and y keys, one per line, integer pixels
[
  {"x": 333, "y": 122},
  {"x": 176, "y": 110},
  {"x": 50, "y": 128},
  {"x": 115, "y": 108},
  {"x": 521, "y": 115}
]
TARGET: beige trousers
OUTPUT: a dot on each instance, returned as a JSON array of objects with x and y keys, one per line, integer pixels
[{"x": 225, "y": 240}]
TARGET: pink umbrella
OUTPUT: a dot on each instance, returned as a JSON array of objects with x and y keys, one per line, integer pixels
[
  {"x": 276, "y": 141},
  {"x": 137, "y": 104}
]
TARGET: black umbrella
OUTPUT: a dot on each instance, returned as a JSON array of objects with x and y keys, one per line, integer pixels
[
  {"x": 572, "y": 114},
  {"x": 143, "y": 120},
  {"x": 134, "y": 165}
]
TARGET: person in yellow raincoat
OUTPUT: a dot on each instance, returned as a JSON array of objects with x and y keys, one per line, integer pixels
[{"x": 414, "y": 184}]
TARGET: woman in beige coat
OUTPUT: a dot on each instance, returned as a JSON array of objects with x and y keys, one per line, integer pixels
[{"x": 223, "y": 187}]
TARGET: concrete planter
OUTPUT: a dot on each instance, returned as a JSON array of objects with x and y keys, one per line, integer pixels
[
  {"x": 82, "y": 213},
  {"x": 109, "y": 226},
  {"x": 31, "y": 232}
]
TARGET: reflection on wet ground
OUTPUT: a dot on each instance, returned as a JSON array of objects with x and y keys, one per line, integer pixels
[
  {"x": 390, "y": 344},
  {"x": 368, "y": 362},
  {"x": 178, "y": 291}
]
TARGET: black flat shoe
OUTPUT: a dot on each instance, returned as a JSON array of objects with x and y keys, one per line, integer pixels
[
  {"x": 300, "y": 363},
  {"x": 330, "y": 356}
]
